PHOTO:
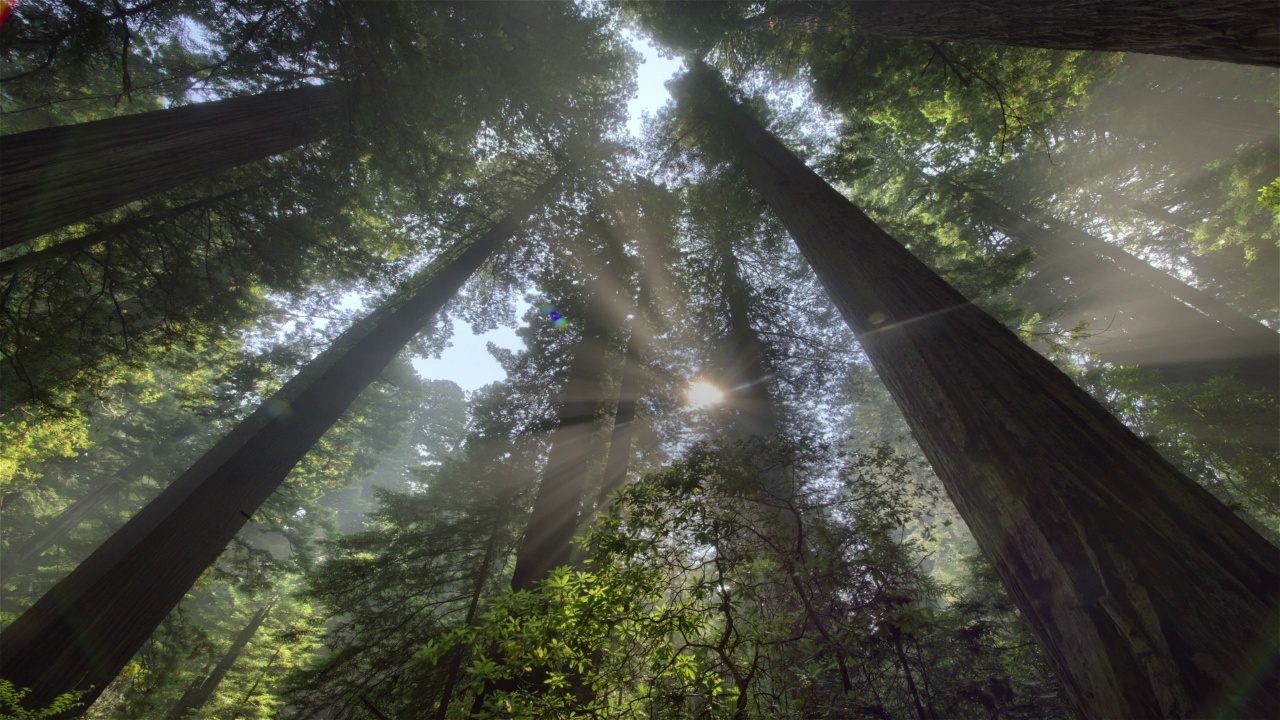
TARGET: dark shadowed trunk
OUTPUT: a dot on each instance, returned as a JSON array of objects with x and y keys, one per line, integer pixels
[
  {"x": 83, "y": 631},
  {"x": 198, "y": 694},
  {"x": 1239, "y": 31},
  {"x": 63, "y": 175},
  {"x": 482, "y": 577},
  {"x": 1149, "y": 597},
  {"x": 84, "y": 242},
  {"x": 745, "y": 362}
]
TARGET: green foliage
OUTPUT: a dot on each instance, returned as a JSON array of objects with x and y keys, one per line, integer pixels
[
  {"x": 11, "y": 704},
  {"x": 692, "y": 602}
]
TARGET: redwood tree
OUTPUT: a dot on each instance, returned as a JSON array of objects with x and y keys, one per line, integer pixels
[
  {"x": 1239, "y": 31},
  {"x": 1149, "y": 596},
  {"x": 63, "y": 175},
  {"x": 199, "y": 693},
  {"x": 80, "y": 634}
]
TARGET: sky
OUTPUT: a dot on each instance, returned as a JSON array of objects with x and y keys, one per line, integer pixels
[{"x": 467, "y": 361}]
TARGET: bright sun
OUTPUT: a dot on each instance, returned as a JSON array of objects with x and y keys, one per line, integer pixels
[{"x": 704, "y": 394}]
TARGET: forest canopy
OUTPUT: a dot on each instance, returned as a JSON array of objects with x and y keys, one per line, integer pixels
[{"x": 902, "y": 359}]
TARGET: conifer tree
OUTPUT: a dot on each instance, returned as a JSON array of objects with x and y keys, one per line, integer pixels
[{"x": 1043, "y": 476}]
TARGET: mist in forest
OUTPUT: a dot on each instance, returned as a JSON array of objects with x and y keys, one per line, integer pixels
[{"x": 899, "y": 360}]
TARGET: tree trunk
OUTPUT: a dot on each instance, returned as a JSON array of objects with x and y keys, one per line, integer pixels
[
  {"x": 554, "y": 519},
  {"x": 1164, "y": 323},
  {"x": 83, "y": 631},
  {"x": 84, "y": 242},
  {"x": 1239, "y": 31},
  {"x": 63, "y": 175},
  {"x": 1149, "y": 597},
  {"x": 745, "y": 361},
  {"x": 482, "y": 576},
  {"x": 197, "y": 695}
]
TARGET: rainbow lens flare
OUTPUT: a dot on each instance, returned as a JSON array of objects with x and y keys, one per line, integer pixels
[{"x": 558, "y": 321}]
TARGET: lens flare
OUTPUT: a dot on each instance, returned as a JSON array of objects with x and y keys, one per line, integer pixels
[
  {"x": 558, "y": 321},
  {"x": 704, "y": 394}
]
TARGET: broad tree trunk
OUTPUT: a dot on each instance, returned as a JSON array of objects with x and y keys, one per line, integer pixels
[
  {"x": 1239, "y": 31},
  {"x": 198, "y": 694},
  {"x": 1149, "y": 597},
  {"x": 63, "y": 175},
  {"x": 83, "y": 631}
]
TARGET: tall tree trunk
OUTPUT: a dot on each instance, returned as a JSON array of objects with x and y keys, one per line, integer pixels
[
  {"x": 553, "y": 522},
  {"x": 83, "y": 631},
  {"x": 198, "y": 694},
  {"x": 482, "y": 576},
  {"x": 750, "y": 396},
  {"x": 554, "y": 518},
  {"x": 63, "y": 175},
  {"x": 1149, "y": 597},
  {"x": 84, "y": 242},
  {"x": 1186, "y": 333},
  {"x": 1239, "y": 31}
]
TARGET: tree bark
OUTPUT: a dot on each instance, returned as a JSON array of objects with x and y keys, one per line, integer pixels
[
  {"x": 63, "y": 175},
  {"x": 1239, "y": 31},
  {"x": 83, "y": 631},
  {"x": 84, "y": 242},
  {"x": 1149, "y": 597},
  {"x": 197, "y": 695},
  {"x": 554, "y": 519}
]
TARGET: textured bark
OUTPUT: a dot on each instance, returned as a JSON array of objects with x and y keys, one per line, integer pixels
[
  {"x": 1149, "y": 597},
  {"x": 1239, "y": 31},
  {"x": 84, "y": 242},
  {"x": 82, "y": 632},
  {"x": 197, "y": 695},
  {"x": 63, "y": 175}
]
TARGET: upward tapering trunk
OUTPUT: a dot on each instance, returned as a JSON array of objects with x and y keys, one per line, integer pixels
[
  {"x": 615, "y": 465},
  {"x": 554, "y": 518},
  {"x": 74, "y": 246},
  {"x": 1149, "y": 597},
  {"x": 750, "y": 396},
  {"x": 195, "y": 697},
  {"x": 1239, "y": 31},
  {"x": 83, "y": 631},
  {"x": 63, "y": 175}
]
